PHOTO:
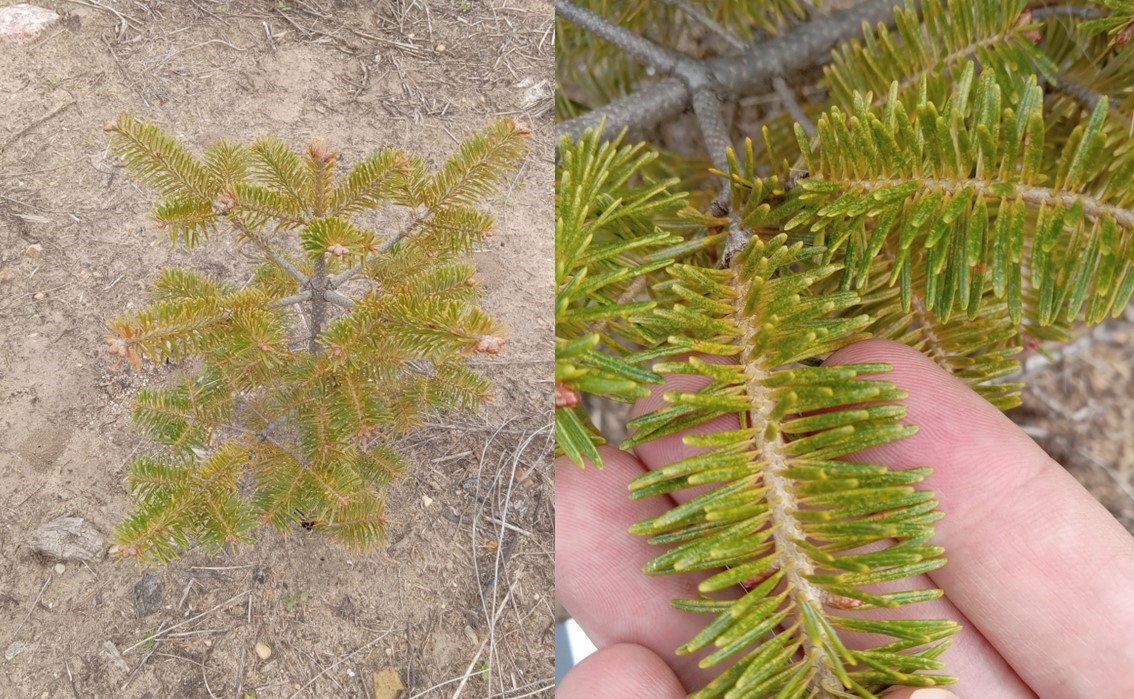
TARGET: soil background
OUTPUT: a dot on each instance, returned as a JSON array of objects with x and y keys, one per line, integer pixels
[{"x": 457, "y": 602}]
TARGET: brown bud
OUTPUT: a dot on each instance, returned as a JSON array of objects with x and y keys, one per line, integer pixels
[
  {"x": 470, "y": 282},
  {"x": 523, "y": 129},
  {"x": 108, "y": 126},
  {"x": 840, "y": 602},
  {"x": 491, "y": 344},
  {"x": 228, "y": 201},
  {"x": 337, "y": 249},
  {"x": 115, "y": 346},
  {"x": 1123, "y": 35},
  {"x": 565, "y": 396},
  {"x": 755, "y": 580},
  {"x": 319, "y": 153}
]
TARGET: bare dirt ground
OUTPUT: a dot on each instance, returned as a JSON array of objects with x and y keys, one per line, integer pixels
[
  {"x": 458, "y": 602},
  {"x": 1078, "y": 409}
]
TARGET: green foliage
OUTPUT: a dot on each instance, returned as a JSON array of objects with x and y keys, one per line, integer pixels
[
  {"x": 967, "y": 189},
  {"x": 931, "y": 45},
  {"x": 290, "y": 419},
  {"x": 1116, "y": 24},
  {"x": 607, "y": 246},
  {"x": 787, "y": 515}
]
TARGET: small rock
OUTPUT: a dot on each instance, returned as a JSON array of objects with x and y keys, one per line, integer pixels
[
  {"x": 15, "y": 649},
  {"x": 60, "y": 569},
  {"x": 34, "y": 250},
  {"x": 22, "y": 23},
  {"x": 440, "y": 48},
  {"x": 111, "y": 651},
  {"x": 40, "y": 296},
  {"x": 263, "y": 651},
  {"x": 147, "y": 595},
  {"x": 68, "y": 539},
  {"x": 426, "y": 500},
  {"x": 387, "y": 684}
]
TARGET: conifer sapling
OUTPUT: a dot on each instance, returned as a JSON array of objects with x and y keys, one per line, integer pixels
[{"x": 356, "y": 322}]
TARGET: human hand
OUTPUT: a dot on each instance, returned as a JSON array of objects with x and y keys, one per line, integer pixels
[{"x": 1039, "y": 573}]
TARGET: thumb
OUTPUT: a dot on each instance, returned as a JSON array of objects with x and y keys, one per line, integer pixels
[{"x": 921, "y": 693}]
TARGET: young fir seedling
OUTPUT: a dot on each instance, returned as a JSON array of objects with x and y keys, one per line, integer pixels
[
  {"x": 344, "y": 337},
  {"x": 960, "y": 180}
]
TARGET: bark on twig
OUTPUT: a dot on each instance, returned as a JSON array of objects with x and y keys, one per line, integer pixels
[
  {"x": 317, "y": 311},
  {"x": 731, "y": 75}
]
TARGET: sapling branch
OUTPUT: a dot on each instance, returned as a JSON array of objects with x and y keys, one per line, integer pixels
[
  {"x": 709, "y": 23},
  {"x": 781, "y": 55},
  {"x": 338, "y": 299},
  {"x": 948, "y": 198},
  {"x": 292, "y": 300},
  {"x": 646, "y": 51}
]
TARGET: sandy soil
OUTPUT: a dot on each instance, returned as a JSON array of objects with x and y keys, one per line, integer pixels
[{"x": 455, "y": 592}]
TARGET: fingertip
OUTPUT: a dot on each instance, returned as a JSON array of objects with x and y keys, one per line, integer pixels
[
  {"x": 921, "y": 693},
  {"x": 618, "y": 671}
]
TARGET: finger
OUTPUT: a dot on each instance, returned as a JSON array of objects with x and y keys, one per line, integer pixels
[
  {"x": 598, "y": 564},
  {"x": 930, "y": 693},
  {"x": 619, "y": 671},
  {"x": 970, "y": 657},
  {"x": 1035, "y": 562}
]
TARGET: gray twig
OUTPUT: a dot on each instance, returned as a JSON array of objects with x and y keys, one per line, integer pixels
[
  {"x": 33, "y": 605},
  {"x": 291, "y": 300},
  {"x": 731, "y": 75},
  {"x": 338, "y": 299},
  {"x": 787, "y": 97},
  {"x": 709, "y": 23},
  {"x": 338, "y": 662},
  {"x": 19, "y": 134},
  {"x": 658, "y": 57}
]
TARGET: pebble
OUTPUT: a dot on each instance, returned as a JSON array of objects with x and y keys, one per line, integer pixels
[
  {"x": 440, "y": 48},
  {"x": 426, "y": 500},
  {"x": 21, "y": 23},
  {"x": 263, "y": 651},
  {"x": 34, "y": 250},
  {"x": 148, "y": 595},
  {"x": 40, "y": 296},
  {"x": 68, "y": 539},
  {"x": 15, "y": 649},
  {"x": 60, "y": 568}
]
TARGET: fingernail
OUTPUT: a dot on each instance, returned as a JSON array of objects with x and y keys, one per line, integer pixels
[{"x": 934, "y": 693}]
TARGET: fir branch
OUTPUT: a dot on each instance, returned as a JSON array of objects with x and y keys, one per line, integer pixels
[
  {"x": 781, "y": 486},
  {"x": 338, "y": 299}
]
